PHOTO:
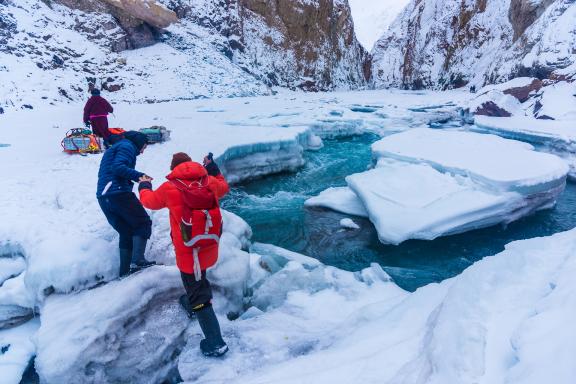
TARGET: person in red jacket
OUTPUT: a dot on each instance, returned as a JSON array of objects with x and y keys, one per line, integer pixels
[
  {"x": 96, "y": 113},
  {"x": 169, "y": 195}
]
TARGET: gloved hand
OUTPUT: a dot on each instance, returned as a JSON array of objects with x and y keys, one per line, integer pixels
[
  {"x": 211, "y": 165},
  {"x": 87, "y": 124}
]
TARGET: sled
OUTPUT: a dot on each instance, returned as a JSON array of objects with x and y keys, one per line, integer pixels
[
  {"x": 156, "y": 134},
  {"x": 81, "y": 141}
]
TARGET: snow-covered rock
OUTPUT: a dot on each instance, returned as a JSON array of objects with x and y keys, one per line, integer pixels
[
  {"x": 431, "y": 183},
  {"x": 126, "y": 331},
  {"x": 451, "y": 43}
]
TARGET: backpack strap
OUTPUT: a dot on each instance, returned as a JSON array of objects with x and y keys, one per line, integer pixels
[{"x": 197, "y": 271}]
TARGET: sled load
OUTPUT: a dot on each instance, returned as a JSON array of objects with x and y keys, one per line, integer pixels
[
  {"x": 81, "y": 141},
  {"x": 156, "y": 134}
]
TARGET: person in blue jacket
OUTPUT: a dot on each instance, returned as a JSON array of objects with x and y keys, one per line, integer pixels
[{"x": 120, "y": 205}]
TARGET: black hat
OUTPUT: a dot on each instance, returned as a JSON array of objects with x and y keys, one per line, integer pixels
[
  {"x": 95, "y": 92},
  {"x": 138, "y": 138}
]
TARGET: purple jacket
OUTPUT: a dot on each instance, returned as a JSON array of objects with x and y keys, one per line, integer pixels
[{"x": 96, "y": 106}]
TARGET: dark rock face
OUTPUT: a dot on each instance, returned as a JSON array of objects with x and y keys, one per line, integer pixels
[
  {"x": 137, "y": 33},
  {"x": 296, "y": 44},
  {"x": 490, "y": 108},
  {"x": 523, "y": 93},
  {"x": 523, "y": 13}
]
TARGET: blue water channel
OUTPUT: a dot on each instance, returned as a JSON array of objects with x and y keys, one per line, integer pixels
[{"x": 274, "y": 208}]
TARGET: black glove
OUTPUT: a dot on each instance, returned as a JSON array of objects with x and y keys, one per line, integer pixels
[
  {"x": 87, "y": 124},
  {"x": 144, "y": 185},
  {"x": 212, "y": 168}
]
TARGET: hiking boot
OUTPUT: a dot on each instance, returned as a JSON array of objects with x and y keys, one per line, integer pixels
[
  {"x": 134, "y": 267},
  {"x": 213, "y": 345},
  {"x": 125, "y": 256},
  {"x": 211, "y": 350}
]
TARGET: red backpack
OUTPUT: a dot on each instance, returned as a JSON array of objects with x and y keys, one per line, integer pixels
[{"x": 201, "y": 222}]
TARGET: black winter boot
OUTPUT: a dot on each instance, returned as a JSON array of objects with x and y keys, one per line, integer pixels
[
  {"x": 213, "y": 345},
  {"x": 138, "y": 260},
  {"x": 125, "y": 257}
]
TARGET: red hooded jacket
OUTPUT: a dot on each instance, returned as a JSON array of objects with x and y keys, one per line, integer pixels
[{"x": 168, "y": 196}]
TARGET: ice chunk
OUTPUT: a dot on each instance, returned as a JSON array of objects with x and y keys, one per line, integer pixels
[
  {"x": 349, "y": 224},
  {"x": 559, "y": 134},
  {"x": 126, "y": 331},
  {"x": 413, "y": 201},
  {"x": 497, "y": 163},
  {"x": 276, "y": 257},
  {"x": 16, "y": 350},
  {"x": 341, "y": 199},
  {"x": 253, "y": 161}
]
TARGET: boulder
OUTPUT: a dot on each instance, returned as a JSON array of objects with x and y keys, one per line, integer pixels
[{"x": 147, "y": 10}]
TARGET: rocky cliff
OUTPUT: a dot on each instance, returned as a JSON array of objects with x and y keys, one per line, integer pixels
[
  {"x": 452, "y": 43},
  {"x": 157, "y": 50}
]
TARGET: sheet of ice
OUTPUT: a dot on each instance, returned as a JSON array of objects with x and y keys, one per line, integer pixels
[
  {"x": 17, "y": 348},
  {"x": 506, "y": 319},
  {"x": 498, "y": 163},
  {"x": 560, "y": 134},
  {"x": 413, "y": 201},
  {"x": 341, "y": 199}
]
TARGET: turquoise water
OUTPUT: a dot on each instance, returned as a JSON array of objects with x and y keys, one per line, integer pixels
[{"x": 273, "y": 206}]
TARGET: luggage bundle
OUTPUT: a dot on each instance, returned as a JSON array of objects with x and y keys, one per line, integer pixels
[
  {"x": 156, "y": 134},
  {"x": 82, "y": 141}
]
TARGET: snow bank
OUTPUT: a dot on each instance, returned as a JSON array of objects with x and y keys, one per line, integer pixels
[
  {"x": 506, "y": 319},
  {"x": 296, "y": 311}
]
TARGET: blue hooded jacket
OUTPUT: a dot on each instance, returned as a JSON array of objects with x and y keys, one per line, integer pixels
[{"x": 117, "y": 173}]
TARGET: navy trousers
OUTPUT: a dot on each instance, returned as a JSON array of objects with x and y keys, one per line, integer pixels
[{"x": 127, "y": 216}]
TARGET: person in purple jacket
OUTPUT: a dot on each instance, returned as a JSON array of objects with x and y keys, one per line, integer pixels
[{"x": 96, "y": 113}]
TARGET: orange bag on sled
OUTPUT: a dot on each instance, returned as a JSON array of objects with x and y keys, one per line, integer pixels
[{"x": 82, "y": 141}]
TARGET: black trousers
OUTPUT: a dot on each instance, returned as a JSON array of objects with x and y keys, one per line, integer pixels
[
  {"x": 198, "y": 292},
  {"x": 127, "y": 216}
]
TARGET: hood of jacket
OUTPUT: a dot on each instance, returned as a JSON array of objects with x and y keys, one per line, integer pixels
[{"x": 190, "y": 170}]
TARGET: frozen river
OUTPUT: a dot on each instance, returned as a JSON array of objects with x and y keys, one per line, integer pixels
[{"x": 274, "y": 208}]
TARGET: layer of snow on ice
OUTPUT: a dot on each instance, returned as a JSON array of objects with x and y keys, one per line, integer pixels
[
  {"x": 496, "y": 162},
  {"x": 372, "y": 18},
  {"x": 412, "y": 201},
  {"x": 561, "y": 133},
  {"x": 340, "y": 199}
]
